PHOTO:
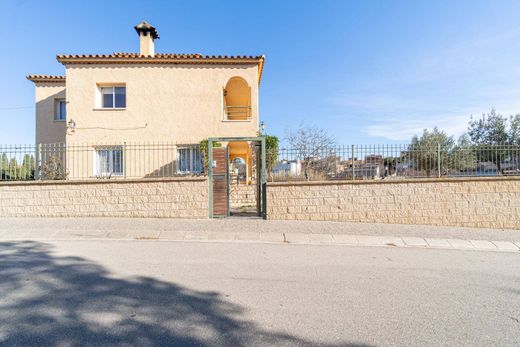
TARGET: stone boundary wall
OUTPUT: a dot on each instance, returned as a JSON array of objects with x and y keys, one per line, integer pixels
[
  {"x": 469, "y": 202},
  {"x": 242, "y": 195},
  {"x": 171, "y": 197}
]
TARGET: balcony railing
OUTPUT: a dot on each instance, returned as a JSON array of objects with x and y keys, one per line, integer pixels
[{"x": 237, "y": 112}]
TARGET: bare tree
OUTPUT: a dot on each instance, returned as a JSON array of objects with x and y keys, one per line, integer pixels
[{"x": 312, "y": 145}]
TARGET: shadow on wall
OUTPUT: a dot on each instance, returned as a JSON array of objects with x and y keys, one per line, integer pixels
[{"x": 49, "y": 301}]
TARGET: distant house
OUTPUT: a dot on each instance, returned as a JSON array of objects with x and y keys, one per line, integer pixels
[
  {"x": 290, "y": 168},
  {"x": 108, "y": 99}
]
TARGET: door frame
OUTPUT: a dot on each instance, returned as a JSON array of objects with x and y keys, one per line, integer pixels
[{"x": 261, "y": 181}]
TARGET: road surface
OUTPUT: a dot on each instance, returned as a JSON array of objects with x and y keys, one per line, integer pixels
[{"x": 145, "y": 292}]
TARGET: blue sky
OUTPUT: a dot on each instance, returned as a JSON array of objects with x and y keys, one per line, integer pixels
[{"x": 367, "y": 71}]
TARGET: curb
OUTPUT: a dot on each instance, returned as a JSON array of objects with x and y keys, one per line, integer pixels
[{"x": 276, "y": 238}]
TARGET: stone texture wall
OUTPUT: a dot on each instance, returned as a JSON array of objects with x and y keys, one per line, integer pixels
[
  {"x": 242, "y": 195},
  {"x": 174, "y": 197},
  {"x": 482, "y": 202}
]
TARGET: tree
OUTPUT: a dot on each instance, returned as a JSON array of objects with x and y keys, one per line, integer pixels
[
  {"x": 491, "y": 129},
  {"x": 514, "y": 130},
  {"x": 13, "y": 171},
  {"x": 4, "y": 164},
  {"x": 311, "y": 145},
  {"x": 271, "y": 144},
  {"x": 28, "y": 166},
  {"x": 463, "y": 156},
  {"x": 430, "y": 151}
]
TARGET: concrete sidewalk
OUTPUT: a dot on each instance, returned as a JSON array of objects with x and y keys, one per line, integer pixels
[{"x": 252, "y": 230}]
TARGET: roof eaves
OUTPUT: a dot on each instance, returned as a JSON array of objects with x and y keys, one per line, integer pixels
[
  {"x": 46, "y": 78},
  {"x": 162, "y": 58}
]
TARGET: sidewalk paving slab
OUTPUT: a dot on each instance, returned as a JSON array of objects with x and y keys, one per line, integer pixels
[
  {"x": 172, "y": 235},
  {"x": 345, "y": 239},
  {"x": 132, "y": 234},
  {"x": 461, "y": 244},
  {"x": 506, "y": 246},
  {"x": 320, "y": 238},
  {"x": 297, "y": 237},
  {"x": 30, "y": 235},
  {"x": 393, "y": 241},
  {"x": 415, "y": 241},
  {"x": 222, "y": 235},
  {"x": 272, "y": 237},
  {"x": 484, "y": 245},
  {"x": 83, "y": 235},
  {"x": 248, "y": 236},
  {"x": 438, "y": 243},
  {"x": 379, "y": 241},
  {"x": 196, "y": 236}
]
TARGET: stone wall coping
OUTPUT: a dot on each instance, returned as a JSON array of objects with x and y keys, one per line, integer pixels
[
  {"x": 103, "y": 181},
  {"x": 394, "y": 181}
]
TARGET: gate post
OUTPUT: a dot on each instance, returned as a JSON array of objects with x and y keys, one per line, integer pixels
[
  {"x": 263, "y": 196},
  {"x": 210, "y": 178}
]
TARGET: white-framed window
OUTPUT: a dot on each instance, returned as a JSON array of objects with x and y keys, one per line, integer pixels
[
  {"x": 189, "y": 160},
  {"x": 60, "y": 110},
  {"x": 109, "y": 161},
  {"x": 112, "y": 97}
]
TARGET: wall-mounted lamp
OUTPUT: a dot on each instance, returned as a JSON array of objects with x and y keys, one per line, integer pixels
[
  {"x": 71, "y": 125},
  {"x": 262, "y": 127}
]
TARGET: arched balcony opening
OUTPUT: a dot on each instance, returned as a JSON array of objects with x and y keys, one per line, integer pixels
[{"x": 237, "y": 99}]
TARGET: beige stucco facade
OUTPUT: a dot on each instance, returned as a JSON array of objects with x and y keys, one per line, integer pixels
[
  {"x": 179, "y": 103},
  {"x": 170, "y": 98},
  {"x": 49, "y": 130}
]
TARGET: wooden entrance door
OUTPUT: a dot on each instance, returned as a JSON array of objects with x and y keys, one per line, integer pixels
[{"x": 220, "y": 182}]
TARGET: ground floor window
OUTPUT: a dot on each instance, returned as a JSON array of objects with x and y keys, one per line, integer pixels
[
  {"x": 189, "y": 160},
  {"x": 109, "y": 161}
]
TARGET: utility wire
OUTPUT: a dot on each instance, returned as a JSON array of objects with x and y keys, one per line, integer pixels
[{"x": 15, "y": 108}]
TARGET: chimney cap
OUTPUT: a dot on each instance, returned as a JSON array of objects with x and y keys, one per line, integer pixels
[{"x": 145, "y": 27}]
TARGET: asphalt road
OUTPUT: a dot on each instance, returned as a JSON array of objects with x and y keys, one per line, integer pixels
[{"x": 70, "y": 293}]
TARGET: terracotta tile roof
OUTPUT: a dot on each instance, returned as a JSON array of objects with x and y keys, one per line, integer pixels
[
  {"x": 46, "y": 78},
  {"x": 65, "y": 58},
  {"x": 163, "y": 58}
]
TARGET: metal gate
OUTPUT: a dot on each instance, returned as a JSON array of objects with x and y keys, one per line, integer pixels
[{"x": 218, "y": 175}]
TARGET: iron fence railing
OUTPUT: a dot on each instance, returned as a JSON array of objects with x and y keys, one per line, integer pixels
[
  {"x": 17, "y": 162},
  {"x": 57, "y": 161},
  {"x": 356, "y": 162},
  {"x": 364, "y": 162}
]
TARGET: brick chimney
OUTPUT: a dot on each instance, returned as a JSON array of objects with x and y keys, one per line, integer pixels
[{"x": 147, "y": 35}]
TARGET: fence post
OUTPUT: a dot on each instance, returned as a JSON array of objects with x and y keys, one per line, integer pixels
[
  {"x": 353, "y": 165},
  {"x": 438, "y": 160},
  {"x": 123, "y": 157},
  {"x": 38, "y": 168}
]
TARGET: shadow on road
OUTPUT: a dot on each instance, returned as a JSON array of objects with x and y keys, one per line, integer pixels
[{"x": 48, "y": 300}]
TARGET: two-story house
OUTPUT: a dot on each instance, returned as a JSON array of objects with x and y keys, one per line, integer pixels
[{"x": 106, "y": 102}]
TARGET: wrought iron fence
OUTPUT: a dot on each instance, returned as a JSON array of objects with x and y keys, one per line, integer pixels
[
  {"x": 356, "y": 162},
  {"x": 17, "y": 162},
  {"x": 58, "y": 161},
  {"x": 368, "y": 162}
]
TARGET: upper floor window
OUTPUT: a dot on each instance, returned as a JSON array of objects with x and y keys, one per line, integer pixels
[
  {"x": 237, "y": 100},
  {"x": 112, "y": 96},
  {"x": 60, "y": 110}
]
